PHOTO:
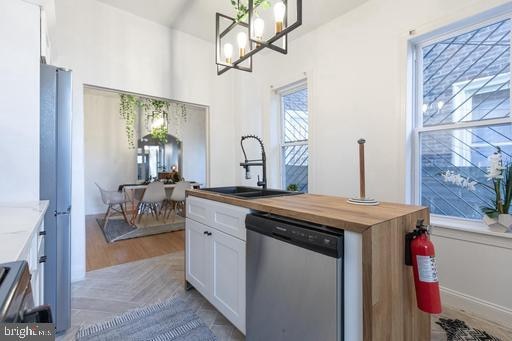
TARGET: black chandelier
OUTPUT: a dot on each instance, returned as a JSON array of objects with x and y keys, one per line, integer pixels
[{"x": 248, "y": 29}]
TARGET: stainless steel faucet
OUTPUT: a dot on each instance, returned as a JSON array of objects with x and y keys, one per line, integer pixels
[{"x": 259, "y": 162}]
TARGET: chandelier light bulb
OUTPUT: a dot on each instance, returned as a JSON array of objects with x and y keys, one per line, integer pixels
[
  {"x": 259, "y": 28},
  {"x": 158, "y": 123},
  {"x": 424, "y": 107},
  {"x": 228, "y": 52},
  {"x": 242, "y": 42},
  {"x": 440, "y": 105},
  {"x": 279, "y": 12}
]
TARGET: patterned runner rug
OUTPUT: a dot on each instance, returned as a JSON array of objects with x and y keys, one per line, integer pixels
[
  {"x": 118, "y": 229},
  {"x": 170, "y": 320},
  {"x": 458, "y": 330}
]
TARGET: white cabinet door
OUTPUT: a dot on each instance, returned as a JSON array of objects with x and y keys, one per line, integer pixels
[
  {"x": 198, "y": 256},
  {"x": 228, "y": 277}
]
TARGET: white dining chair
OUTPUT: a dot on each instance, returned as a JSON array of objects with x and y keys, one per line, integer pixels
[
  {"x": 152, "y": 200},
  {"x": 113, "y": 199},
  {"x": 177, "y": 198}
]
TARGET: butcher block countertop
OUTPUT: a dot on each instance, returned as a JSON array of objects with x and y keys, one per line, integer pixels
[
  {"x": 388, "y": 297},
  {"x": 320, "y": 209}
]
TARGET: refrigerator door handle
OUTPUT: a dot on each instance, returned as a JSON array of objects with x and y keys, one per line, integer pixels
[{"x": 66, "y": 212}]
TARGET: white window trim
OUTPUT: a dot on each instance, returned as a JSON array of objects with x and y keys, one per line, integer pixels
[
  {"x": 283, "y": 91},
  {"x": 470, "y": 225}
]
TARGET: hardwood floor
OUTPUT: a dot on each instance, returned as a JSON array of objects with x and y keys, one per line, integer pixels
[{"x": 100, "y": 254}]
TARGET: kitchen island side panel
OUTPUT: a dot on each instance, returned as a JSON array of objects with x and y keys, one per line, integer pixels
[{"x": 389, "y": 301}]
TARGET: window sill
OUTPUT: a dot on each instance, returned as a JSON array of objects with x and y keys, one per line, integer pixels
[{"x": 469, "y": 230}]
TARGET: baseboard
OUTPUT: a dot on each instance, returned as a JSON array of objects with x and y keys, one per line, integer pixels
[
  {"x": 475, "y": 306},
  {"x": 77, "y": 274}
]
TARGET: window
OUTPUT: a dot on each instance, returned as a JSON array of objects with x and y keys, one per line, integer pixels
[
  {"x": 462, "y": 115},
  {"x": 294, "y": 137}
]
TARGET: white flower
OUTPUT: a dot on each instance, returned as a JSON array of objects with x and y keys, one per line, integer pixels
[
  {"x": 459, "y": 180},
  {"x": 495, "y": 169},
  {"x": 471, "y": 185}
]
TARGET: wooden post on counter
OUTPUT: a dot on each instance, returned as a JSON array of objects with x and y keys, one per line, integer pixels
[
  {"x": 362, "y": 184},
  {"x": 362, "y": 200}
]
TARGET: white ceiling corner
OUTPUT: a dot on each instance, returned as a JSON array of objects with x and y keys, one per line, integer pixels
[{"x": 197, "y": 17}]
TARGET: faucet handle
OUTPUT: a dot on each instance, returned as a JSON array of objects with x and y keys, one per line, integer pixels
[{"x": 260, "y": 183}]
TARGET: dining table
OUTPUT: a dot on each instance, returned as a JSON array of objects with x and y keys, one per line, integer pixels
[{"x": 130, "y": 189}]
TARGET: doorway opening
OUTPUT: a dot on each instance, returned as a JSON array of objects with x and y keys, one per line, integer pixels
[{"x": 141, "y": 154}]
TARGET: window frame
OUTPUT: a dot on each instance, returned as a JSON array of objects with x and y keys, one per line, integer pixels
[
  {"x": 416, "y": 55},
  {"x": 286, "y": 90}
]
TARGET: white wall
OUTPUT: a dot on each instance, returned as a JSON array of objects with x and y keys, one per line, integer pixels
[
  {"x": 108, "y": 160},
  {"x": 111, "y": 48},
  {"x": 356, "y": 70},
  {"x": 474, "y": 272},
  {"x": 194, "y": 145},
  {"x": 19, "y": 101}
]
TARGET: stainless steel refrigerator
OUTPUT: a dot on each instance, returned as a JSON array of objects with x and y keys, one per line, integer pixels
[{"x": 55, "y": 186}]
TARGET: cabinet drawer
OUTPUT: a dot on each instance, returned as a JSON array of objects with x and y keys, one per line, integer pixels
[
  {"x": 229, "y": 219},
  {"x": 198, "y": 210}
]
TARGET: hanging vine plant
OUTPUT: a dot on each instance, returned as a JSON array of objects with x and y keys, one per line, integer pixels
[
  {"x": 128, "y": 112},
  {"x": 242, "y": 10},
  {"x": 158, "y": 116}
]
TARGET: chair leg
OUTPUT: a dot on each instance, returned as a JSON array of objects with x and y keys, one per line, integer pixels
[
  {"x": 140, "y": 210},
  {"x": 107, "y": 216},
  {"x": 124, "y": 213},
  {"x": 174, "y": 212},
  {"x": 155, "y": 211},
  {"x": 171, "y": 208}
]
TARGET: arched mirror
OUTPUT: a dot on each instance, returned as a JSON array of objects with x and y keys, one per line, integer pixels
[{"x": 156, "y": 160}]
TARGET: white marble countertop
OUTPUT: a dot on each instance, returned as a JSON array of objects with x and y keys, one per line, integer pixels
[{"x": 18, "y": 222}]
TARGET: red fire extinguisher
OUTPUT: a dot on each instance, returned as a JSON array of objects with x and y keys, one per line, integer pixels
[{"x": 419, "y": 252}]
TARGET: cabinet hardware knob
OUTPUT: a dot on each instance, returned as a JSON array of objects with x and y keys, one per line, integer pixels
[
  {"x": 205, "y": 232},
  {"x": 42, "y": 259},
  {"x": 42, "y": 233}
]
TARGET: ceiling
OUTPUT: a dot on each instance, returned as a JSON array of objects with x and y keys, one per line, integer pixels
[{"x": 197, "y": 17}]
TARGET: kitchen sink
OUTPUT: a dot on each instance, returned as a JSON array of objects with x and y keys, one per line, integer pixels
[{"x": 249, "y": 192}]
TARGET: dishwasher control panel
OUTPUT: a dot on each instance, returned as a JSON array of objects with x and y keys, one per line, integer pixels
[{"x": 315, "y": 237}]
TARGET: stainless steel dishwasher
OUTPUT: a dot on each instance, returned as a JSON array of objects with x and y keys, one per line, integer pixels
[{"x": 294, "y": 283}]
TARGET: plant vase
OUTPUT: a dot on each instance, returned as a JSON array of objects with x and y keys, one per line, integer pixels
[
  {"x": 506, "y": 221},
  {"x": 493, "y": 223},
  {"x": 502, "y": 223}
]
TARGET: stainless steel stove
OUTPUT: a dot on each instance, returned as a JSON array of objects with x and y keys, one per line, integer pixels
[{"x": 16, "y": 302}]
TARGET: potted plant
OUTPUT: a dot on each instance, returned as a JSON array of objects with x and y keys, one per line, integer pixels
[
  {"x": 292, "y": 188},
  {"x": 500, "y": 174}
]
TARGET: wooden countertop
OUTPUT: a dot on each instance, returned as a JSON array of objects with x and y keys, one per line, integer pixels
[{"x": 321, "y": 209}]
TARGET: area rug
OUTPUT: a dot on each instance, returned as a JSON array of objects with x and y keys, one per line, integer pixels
[
  {"x": 165, "y": 321},
  {"x": 118, "y": 229},
  {"x": 458, "y": 330}
]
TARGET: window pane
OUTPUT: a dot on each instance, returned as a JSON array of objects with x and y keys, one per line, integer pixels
[
  {"x": 464, "y": 152},
  {"x": 296, "y": 166},
  {"x": 295, "y": 111},
  {"x": 467, "y": 77}
]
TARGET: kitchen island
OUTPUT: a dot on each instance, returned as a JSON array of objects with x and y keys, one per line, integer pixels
[{"x": 380, "y": 301}]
